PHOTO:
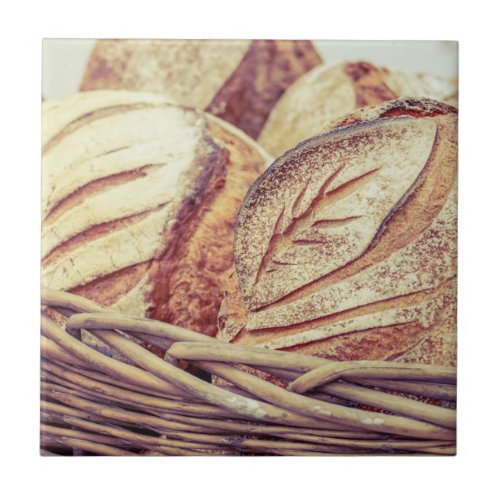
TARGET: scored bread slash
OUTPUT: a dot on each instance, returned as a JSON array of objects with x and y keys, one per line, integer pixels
[
  {"x": 345, "y": 248},
  {"x": 139, "y": 198}
]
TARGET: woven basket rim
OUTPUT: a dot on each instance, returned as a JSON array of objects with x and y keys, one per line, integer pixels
[{"x": 95, "y": 402}]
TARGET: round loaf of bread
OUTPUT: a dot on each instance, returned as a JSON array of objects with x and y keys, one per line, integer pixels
[
  {"x": 330, "y": 91},
  {"x": 139, "y": 198},
  {"x": 345, "y": 248},
  {"x": 239, "y": 81}
]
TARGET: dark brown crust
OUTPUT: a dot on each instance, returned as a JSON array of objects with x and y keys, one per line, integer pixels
[
  {"x": 177, "y": 242},
  {"x": 266, "y": 71},
  {"x": 187, "y": 280},
  {"x": 369, "y": 84}
]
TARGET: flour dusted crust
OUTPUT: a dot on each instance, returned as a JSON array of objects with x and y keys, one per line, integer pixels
[
  {"x": 139, "y": 198},
  {"x": 328, "y": 92},
  {"x": 62, "y": 112},
  {"x": 239, "y": 81},
  {"x": 161, "y": 65},
  {"x": 346, "y": 247}
]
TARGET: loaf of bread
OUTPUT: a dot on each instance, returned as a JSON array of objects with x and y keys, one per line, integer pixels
[
  {"x": 345, "y": 248},
  {"x": 330, "y": 91},
  {"x": 139, "y": 198},
  {"x": 239, "y": 81}
]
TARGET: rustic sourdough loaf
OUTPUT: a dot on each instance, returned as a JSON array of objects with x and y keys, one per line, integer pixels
[
  {"x": 139, "y": 198},
  {"x": 345, "y": 248},
  {"x": 239, "y": 81},
  {"x": 330, "y": 91}
]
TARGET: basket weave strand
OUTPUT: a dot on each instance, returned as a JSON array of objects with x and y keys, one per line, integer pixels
[{"x": 94, "y": 402}]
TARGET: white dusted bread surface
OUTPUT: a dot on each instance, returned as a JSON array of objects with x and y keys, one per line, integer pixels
[
  {"x": 328, "y": 92},
  {"x": 239, "y": 80},
  {"x": 139, "y": 198},
  {"x": 346, "y": 247}
]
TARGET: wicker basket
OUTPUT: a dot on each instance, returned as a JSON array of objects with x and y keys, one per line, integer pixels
[{"x": 129, "y": 401}]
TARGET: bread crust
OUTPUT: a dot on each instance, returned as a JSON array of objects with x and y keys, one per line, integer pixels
[
  {"x": 345, "y": 247},
  {"x": 328, "y": 92},
  {"x": 139, "y": 200},
  {"x": 239, "y": 80}
]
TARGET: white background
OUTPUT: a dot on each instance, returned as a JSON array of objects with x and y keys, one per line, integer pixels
[{"x": 472, "y": 474}]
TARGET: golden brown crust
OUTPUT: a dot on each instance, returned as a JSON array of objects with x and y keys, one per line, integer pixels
[
  {"x": 139, "y": 203},
  {"x": 330, "y": 91},
  {"x": 239, "y": 81},
  {"x": 192, "y": 277},
  {"x": 342, "y": 253}
]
